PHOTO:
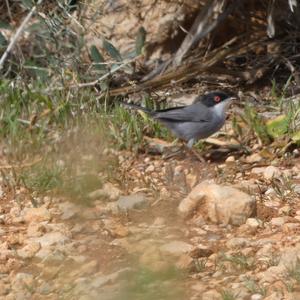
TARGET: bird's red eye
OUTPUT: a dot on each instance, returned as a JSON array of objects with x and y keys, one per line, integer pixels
[{"x": 217, "y": 98}]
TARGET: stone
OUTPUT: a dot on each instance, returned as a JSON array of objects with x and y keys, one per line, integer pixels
[
  {"x": 115, "y": 228},
  {"x": 278, "y": 295},
  {"x": 35, "y": 229},
  {"x": 176, "y": 248},
  {"x": 22, "y": 281},
  {"x": 88, "y": 268},
  {"x": 29, "y": 250},
  {"x": 68, "y": 210},
  {"x": 102, "y": 280},
  {"x": 134, "y": 201},
  {"x": 4, "y": 289},
  {"x": 185, "y": 262},
  {"x": 290, "y": 257},
  {"x": 236, "y": 242},
  {"x": 296, "y": 188},
  {"x": 51, "y": 238},
  {"x": 150, "y": 169},
  {"x": 230, "y": 159},
  {"x": 258, "y": 170},
  {"x": 37, "y": 214},
  {"x": 219, "y": 204},
  {"x": 271, "y": 172},
  {"x": 254, "y": 158},
  {"x": 211, "y": 295},
  {"x": 272, "y": 274},
  {"x": 277, "y": 222},
  {"x": 108, "y": 191},
  {"x": 253, "y": 223},
  {"x": 256, "y": 297}
]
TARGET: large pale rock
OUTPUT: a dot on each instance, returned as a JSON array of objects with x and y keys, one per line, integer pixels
[
  {"x": 212, "y": 295},
  {"x": 133, "y": 201},
  {"x": 51, "y": 238},
  {"x": 108, "y": 192},
  {"x": 37, "y": 214},
  {"x": 219, "y": 204},
  {"x": 271, "y": 172},
  {"x": 176, "y": 248},
  {"x": 29, "y": 250}
]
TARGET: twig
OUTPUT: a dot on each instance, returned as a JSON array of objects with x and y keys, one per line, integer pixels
[
  {"x": 8, "y": 10},
  {"x": 17, "y": 34},
  {"x": 198, "y": 30}
]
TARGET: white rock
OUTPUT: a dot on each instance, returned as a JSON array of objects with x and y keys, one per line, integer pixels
[
  {"x": 108, "y": 191},
  {"x": 279, "y": 221},
  {"x": 22, "y": 280},
  {"x": 258, "y": 170},
  {"x": 297, "y": 188},
  {"x": 37, "y": 214},
  {"x": 230, "y": 159},
  {"x": 102, "y": 280},
  {"x": 51, "y": 238},
  {"x": 176, "y": 248},
  {"x": 253, "y": 223},
  {"x": 272, "y": 274},
  {"x": 256, "y": 297},
  {"x": 133, "y": 201},
  {"x": 271, "y": 172},
  {"x": 237, "y": 243},
  {"x": 211, "y": 295},
  {"x": 290, "y": 256},
  {"x": 35, "y": 229},
  {"x": 29, "y": 250},
  {"x": 150, "y": 169},
  {"x": 253, "y": 158},
  {"x": 68, "y": 210},
  {"x": 219, "y": 204}
]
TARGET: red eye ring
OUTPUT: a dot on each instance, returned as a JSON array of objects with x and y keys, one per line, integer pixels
[{"x": 217, "y": 98}]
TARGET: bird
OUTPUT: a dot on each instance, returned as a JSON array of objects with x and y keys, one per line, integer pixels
[{"x": 199, "y": 120}]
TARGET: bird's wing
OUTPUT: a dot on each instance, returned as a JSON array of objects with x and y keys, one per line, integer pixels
[{"x": 192, "y": 113}]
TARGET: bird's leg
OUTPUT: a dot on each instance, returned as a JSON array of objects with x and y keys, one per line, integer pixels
[{"x": 193, "y": 151}]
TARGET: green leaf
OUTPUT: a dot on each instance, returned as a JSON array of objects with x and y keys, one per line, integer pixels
[
  {"x": 296, "y": 137},
  {"x": 112, "y": 51},
  {"x": 97, "y": 57},
  {"x": 140, "y": 40},
  {"x": 279, "y": 126},
  {"x": 4, "y": 25},
  {"x": 3, "y": 41}
]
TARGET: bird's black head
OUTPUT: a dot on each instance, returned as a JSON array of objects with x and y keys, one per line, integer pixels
[{"x": 212, "y": 98}]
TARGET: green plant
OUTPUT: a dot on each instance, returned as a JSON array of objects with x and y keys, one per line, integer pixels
[
  {"x": 294, "y": 271},
  {"x": 42, "y": 178},
  {"x": 200, "y": 265},
  {"x": 228, "y": 295},
  {"x": 239, "y": 260},
  {"x": 257, "y": 125},
  {"x": 255, "y": 288}
]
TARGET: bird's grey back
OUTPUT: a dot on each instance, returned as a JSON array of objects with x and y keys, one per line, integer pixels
[{"x": 191, "y": 122}]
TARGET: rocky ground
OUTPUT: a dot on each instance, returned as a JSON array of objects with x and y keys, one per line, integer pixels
[{"x": 172, "y": 229}]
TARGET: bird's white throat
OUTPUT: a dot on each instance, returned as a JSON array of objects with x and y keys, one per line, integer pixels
[{"x": 220, "y": 108}]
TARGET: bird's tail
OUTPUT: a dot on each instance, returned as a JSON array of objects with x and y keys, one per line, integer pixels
[{"x": 137, "y": 107}]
